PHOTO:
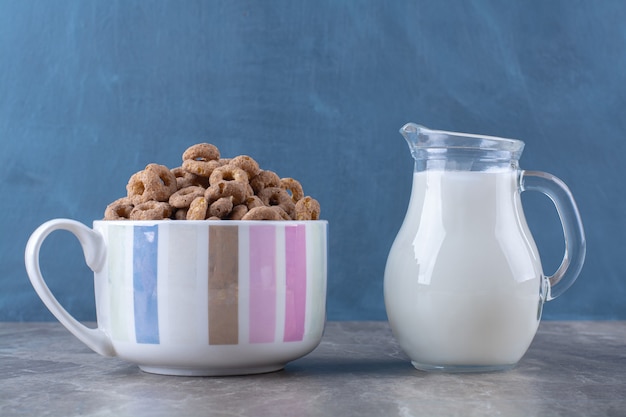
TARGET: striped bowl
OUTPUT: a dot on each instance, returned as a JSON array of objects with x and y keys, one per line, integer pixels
[{"x": 200, "y": 297}]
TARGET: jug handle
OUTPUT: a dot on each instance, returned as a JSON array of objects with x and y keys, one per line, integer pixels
[{"x": 575, "y": 243}]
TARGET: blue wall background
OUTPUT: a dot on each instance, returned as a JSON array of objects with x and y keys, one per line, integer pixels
[{"x": 92, "y": 91}]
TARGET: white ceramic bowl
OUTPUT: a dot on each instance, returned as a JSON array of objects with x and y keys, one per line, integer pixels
[{"x": 199, "y": 297}]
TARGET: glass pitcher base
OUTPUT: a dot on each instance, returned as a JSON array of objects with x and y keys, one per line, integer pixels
[{"x": 461, "y": 368}]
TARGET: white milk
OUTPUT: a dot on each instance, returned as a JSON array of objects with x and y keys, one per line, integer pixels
[{"x": 462, "y": 281}]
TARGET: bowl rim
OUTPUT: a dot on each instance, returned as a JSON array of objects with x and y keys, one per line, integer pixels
[{"x": 209, "y": 222}]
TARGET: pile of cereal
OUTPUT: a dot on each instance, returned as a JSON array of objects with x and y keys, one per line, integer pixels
[{"x": 207, "y": 186}]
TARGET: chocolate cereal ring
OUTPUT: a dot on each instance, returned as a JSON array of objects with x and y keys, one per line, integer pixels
[
  {"x": 262, "y": 213},
  {"x": 168, "y": 179},
  {"x": 119, "y": 209},
  {"x": 237, "y": 212},
  {"x": 221, "y": 207},
  {"x": 151, "y": 210},
  {"x": 186, "y": 179},
  {"x": 253, "y": 201},
  {"x": 235, "y": 189},
  {"x": 276, "y": 196},
  {"x": 307, "y": 209},
  {"x": 156, "y": 182},
  {"x": 228, "y": 173},
  {"x": 202, "y": 152},
  {"x": 183, "y": 198},
  {"x": 200, "y": 168},
  {"x": 201, "y": 159},
  {"x": 294, "y": 187},
  {"x": 247, "y": 164},
  {"x": 282, "y": 213},
  {"x": 264, "y": 179},
  {"x": 197, "y": 209},
  {"x": 181, "y": 214}
]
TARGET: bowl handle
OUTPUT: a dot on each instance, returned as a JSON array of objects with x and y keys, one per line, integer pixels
[{"x": 95, "y": 254}]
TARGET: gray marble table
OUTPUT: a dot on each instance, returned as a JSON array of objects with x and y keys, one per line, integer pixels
[{"x": 571, "y": 369}]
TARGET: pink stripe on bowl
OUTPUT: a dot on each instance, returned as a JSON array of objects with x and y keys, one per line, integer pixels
[
  {"x": 262, "y": 283},
  {"x": 295, "y": 303}
]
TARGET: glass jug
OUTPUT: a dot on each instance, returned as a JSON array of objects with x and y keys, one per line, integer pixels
[{"x": 464, "y": 286}]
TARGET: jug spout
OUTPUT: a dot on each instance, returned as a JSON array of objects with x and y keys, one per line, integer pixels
[
  {"x": 469, "y": 146},
  {"x": 411, "y": 133},
  {"x": 416, "y": 136}
]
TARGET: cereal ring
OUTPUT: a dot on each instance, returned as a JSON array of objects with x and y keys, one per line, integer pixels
[
  {"x": 197, "y": 209},
  {"x": 200, "y": 168},
  {"x": 119, "y": 209},
  {"x": 276, "y": 196},
  {"x": 183, "y": 198},
  {"x": 238, "y": 212},
  {"x": 201, "y": 159},
  {"x": 202, "y": 152},
  {"x": 228, "y": 173},
  {"x": 186, "y": 179},
  {"x": 178, "y": 172},
  {"x": 262, "y": 213},
  {"x": 151, "y": 210},
  {"x": 292, "y": 186},
  {"x": 264, "y": 179},
  {"x": 253, "y": 201},
  {"x": 247, "y": 164},
  {"x": 156, "y": 182},
  {"x": 181, "y": 214},
  {"x": 307, "y": 209},
  {"x": 168, "y": 180},
  {"x": 282, "y": 213},
  {"x": 221, "y": 207},
  {"x": 235, "y": 189}
]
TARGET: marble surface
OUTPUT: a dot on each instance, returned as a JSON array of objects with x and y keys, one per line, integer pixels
[{"x": 571, "y": 369}]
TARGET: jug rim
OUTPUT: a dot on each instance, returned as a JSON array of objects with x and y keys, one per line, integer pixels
[{"x": 421, "y": 137}]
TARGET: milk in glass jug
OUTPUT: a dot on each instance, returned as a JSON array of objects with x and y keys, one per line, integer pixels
[{"x": 464, "y": 285}]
